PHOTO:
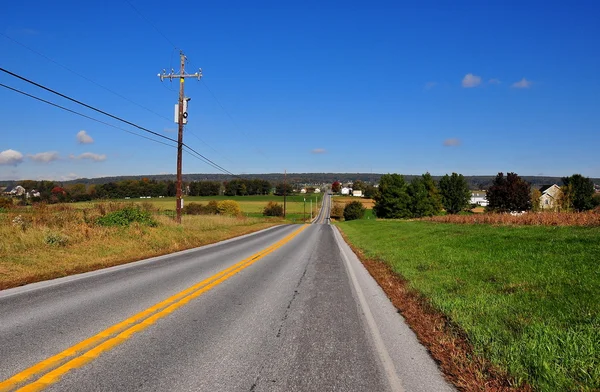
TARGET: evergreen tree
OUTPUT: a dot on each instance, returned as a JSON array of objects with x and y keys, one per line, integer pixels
[
  {"x": 392, "y": 200},
  {"x": 455, "y": 193}
]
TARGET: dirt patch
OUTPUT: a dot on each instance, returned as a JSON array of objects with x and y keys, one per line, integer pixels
[{"x": 446, "y": 343}]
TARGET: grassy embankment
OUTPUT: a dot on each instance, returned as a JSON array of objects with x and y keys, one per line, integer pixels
[
  {"x": 526, "y": 297},
  {"x": 44, "y": 242}
]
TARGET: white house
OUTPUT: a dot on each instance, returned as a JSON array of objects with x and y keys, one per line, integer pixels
[
  {"x": 303, "y": 190},
  {"x": 317, "y": 190},
  {"x": 17, "y": 191},
  {"x": 357, "y": 193},
  {"x": 549, "y": 198},
  {"x": 346, "y": 190},
  {"x": 479, "y": 198}
]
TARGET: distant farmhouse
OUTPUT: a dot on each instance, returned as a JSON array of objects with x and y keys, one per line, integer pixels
[
  {"x": 14, "y": 191},
  {"x": 357, "y": 193},
  {"x": 346, "y": 190},
  {"x": 549, "y": 198},
  {"x": 479, "y": 198}
]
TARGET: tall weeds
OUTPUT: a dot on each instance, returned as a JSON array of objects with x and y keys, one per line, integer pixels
[{"x": 589, "y": 218}]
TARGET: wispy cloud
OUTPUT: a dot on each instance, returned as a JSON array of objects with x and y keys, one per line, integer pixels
[
  {"x": 471, "y": 80},
  {"x": 44, "y": 157},
  {"x": 84, "y": 138},
  {"x": 452, "y": 142},
  {"x": 10, "y": 157},
  {"x": 91, "y": 156},
  {"x": 523, "y": 83},
  {"x": 430, "y": 85},
  {"x": 494, "y": 81},
  {"x": 318, "y": 151}
]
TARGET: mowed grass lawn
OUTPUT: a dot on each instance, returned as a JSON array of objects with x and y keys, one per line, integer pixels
[{"x": 528, "y": 298}]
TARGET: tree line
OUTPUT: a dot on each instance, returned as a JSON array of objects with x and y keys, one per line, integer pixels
[
  {"x": 52, "y": 192},
  {"x": 423, "y": 196}
]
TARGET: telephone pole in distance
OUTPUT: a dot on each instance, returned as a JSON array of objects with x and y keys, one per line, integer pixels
[{"x": 181, "y": 119}]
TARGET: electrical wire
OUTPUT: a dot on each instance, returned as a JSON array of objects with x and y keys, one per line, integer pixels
[
  {"x": 194, "y": 153},
  {"x": 151, "y": 24},
  {"x": 82, "y": 115},
  {"x": 84, "y": 104},
  {"x": 85, "y": 77}
]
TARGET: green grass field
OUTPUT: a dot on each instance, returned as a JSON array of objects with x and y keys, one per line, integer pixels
[
  {"x": 528, "y": 298},
  {"x": 250, "y": 205}
]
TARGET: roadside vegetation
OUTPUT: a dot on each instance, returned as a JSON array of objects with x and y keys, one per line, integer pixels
[
  {"x": 48, "y": 241},
  {"x": 525, "y": 298}
]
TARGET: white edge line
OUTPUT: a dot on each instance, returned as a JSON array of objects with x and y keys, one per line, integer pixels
[
  {"x": 384, "y": 356},
  {"x": 58, "y": 281}
]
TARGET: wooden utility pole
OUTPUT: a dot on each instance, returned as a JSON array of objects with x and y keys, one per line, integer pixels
[
  {"x": 284, "y": 190},
  {"x": 181, "y": 120}
]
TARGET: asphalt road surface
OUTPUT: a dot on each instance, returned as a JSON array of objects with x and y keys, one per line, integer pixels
[{"x": 286, "y": 309}]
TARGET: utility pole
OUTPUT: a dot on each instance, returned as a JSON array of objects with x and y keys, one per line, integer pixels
[
  {"x": 311, "y": 209},
  {"x": 304, "y": 214},
  {"x": 181, "y": 119},
  {"x": 284, "y": 190}
]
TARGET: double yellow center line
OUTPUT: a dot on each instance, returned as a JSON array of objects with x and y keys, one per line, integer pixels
[{"x": 52, "y": 369}]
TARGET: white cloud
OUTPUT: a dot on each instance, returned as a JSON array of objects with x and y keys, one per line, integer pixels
[
  {"x": 10, "y": 157},
  {"x": 453, "y": 142},
  {"x": 44, "y": 157},
  {"x": 523, "y": 83},
  {"x": 471, "y": 80},
  {"x": 90, "y": 156},
  {"x": 318, "y": 151},
  {"x": 494, "y": 81},
  {"x": 430, "y": 85},
  {"x": 84, "y": 138}
]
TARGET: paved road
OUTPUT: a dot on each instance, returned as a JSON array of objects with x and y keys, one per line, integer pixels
[{"x": 286, "y": 309}]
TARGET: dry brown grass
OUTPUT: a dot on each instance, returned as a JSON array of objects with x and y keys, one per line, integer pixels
[
  {"x": 589, "y": 218},
  {"x": 46, "y": 242},
  {"x": 367, "y": 203}
]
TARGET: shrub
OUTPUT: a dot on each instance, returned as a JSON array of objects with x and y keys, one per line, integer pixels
[
  {"x": 126, "y": 216},
  {"x": 229, "y": 207},
  {"x": 354, "y": 210},
  {"x": 273, "y": 209},
  {"x": 337, "y": 211},
  {"x": 56, "y": 239},
  {"x": 212, "y": 208},
  {"x": 194, "y": 209},
  {"x": 5, "y": 203}
]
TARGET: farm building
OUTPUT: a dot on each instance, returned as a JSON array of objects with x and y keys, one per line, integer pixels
[
  {"x": 479, "y": 198},
  {"x": 549, "y": 199},
  {"x": 357, "y": 193},
  {"x": 346, "y": 190}
]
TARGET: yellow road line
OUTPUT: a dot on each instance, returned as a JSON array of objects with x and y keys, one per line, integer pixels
[{"x": 77, "y": 356}]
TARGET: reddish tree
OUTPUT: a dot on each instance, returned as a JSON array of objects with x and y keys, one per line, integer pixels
[{"x": 336, "y": 187}]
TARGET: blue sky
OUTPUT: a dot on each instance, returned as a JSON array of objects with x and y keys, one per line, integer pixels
[{"x": 313, "y": 86}]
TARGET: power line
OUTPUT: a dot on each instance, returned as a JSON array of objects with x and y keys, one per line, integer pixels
[
  {"x": 81, "y": 114},
  {"x": 85, "y": 77},
  {"x": 152, "y": 24},
  {"x": 85, "y": 105},
  {"x": 213, "y": 164},
  {"x": 191, "y": 151}
]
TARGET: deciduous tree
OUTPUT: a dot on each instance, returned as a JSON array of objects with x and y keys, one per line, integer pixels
[
  {"x": 336, "y": 187},
  {"x": 579, "y": 190},
  {"x": 510, "y": 193}
]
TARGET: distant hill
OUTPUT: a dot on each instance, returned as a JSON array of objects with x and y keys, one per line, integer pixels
[{"x": 475, "y": 182}]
